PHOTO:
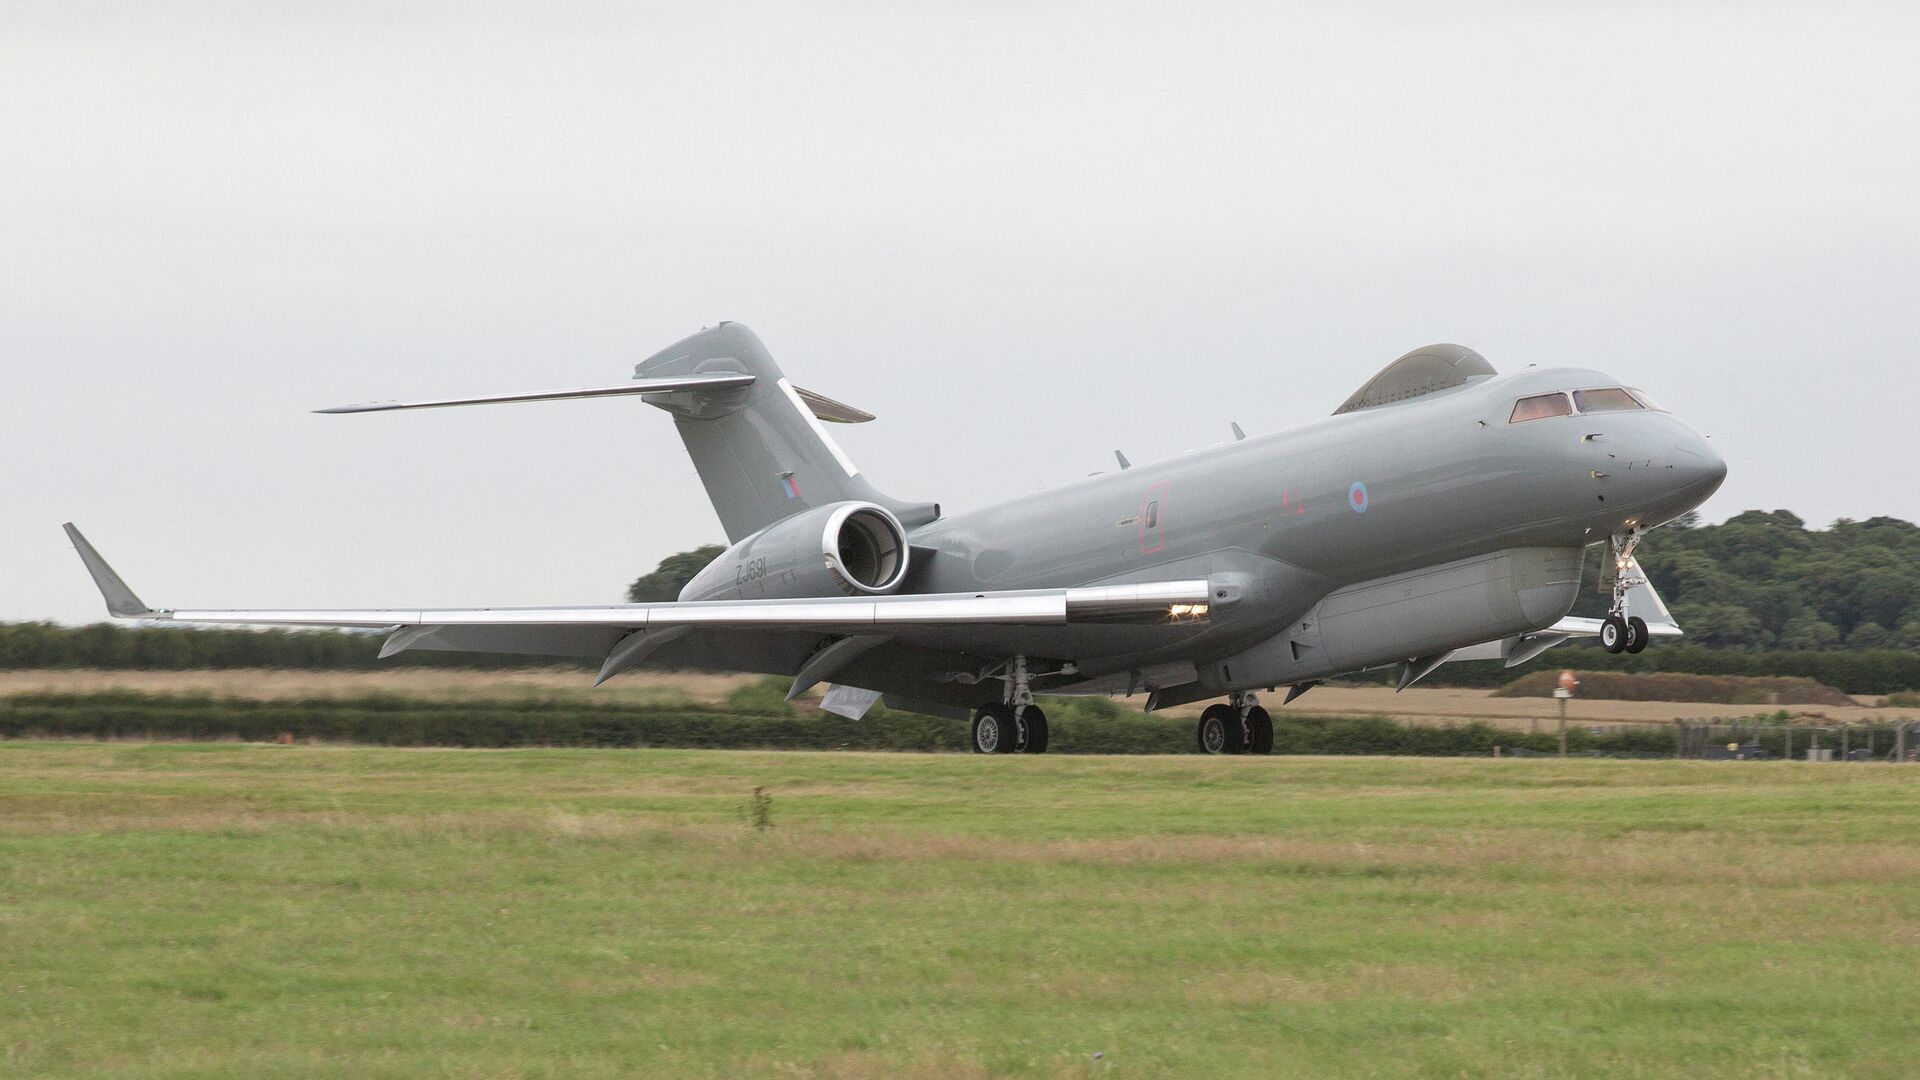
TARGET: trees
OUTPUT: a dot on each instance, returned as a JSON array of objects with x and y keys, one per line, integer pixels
[
  {"x": 665, "y": 582},
  {"x": 1855, "y": 585}
]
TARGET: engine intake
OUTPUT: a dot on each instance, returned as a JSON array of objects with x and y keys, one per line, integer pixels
[
  {"x": 845, "y": 549},
  {"x": 866, "y": 547}
]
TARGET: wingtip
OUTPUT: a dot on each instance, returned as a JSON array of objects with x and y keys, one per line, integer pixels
[{"x": 121, "y": 601}]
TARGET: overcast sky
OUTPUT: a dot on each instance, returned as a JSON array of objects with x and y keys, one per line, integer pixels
[{"x": 1023, "y": 234}]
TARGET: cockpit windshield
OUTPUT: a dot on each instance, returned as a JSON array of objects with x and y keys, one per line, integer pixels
[
  {"x": 1611, "y": 399},
  {"x": 1539, "y": 407},
  {"x": 1578, "y": 403}
]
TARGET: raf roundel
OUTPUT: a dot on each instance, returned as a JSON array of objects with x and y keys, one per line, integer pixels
[{"x": 1357, "y": 497}]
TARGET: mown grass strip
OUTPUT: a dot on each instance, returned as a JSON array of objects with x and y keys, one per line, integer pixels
[{"x": 174, "y": 910}]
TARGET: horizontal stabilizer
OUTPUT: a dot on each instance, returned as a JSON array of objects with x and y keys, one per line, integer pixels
[{"x": 678, "y": 385}]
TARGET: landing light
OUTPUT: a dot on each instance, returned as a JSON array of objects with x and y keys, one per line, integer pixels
[{"x": 1187, "y": 611}]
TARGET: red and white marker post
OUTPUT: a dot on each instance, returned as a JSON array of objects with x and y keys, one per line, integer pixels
[{"x": 1561, "y": 694}]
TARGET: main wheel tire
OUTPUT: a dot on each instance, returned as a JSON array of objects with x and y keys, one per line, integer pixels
[
  {"x": 1259, "y": 731},
  {"x": 993, "y": 730},
  {"x": 1613, "y": 634},
  {"x": 1636, "y": 634},
  {"x": 1036, "y": 731},
  {"x": 1220, "y": 732}
]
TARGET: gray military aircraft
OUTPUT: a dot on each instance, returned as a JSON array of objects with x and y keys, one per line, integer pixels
[{"x": 1439, "y": 515}]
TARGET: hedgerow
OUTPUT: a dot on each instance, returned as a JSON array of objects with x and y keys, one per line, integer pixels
[{"x": 1077, "y": 725}]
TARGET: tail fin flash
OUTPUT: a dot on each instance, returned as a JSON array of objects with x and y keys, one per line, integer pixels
[{"x": 760, "y": 448}]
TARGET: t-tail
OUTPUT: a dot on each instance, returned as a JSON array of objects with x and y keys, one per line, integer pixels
[
  {"x": 760, "y": 448},
  {"x": 755, "y": 438}
]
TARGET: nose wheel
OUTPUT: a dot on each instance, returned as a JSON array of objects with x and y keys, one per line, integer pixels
[{"x": 1623, "y": 635}]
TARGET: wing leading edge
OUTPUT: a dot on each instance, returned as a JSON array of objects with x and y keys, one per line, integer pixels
[
  {"x": 1165, "y": 601},
  {"x": 819, "y": 405},
  {"x": 694, "y": 383}
]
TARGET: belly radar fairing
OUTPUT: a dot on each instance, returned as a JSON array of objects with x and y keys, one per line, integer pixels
[{"x": 1440, "y": 515}]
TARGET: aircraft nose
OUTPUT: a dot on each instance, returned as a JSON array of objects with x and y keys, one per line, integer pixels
[{"x": 1699, "y": 466}]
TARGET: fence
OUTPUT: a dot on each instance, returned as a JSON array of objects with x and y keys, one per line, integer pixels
[{"x": 1747, "y": 740}]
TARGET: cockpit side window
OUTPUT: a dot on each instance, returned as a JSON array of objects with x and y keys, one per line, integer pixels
[
  {"x": 1610, "y": 399},
  {"x": 1640, "y": 396},
  {"x": 1539, "y": 407}
]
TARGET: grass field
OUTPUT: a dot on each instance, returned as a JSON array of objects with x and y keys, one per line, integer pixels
[{"x": 232, "y": 910}]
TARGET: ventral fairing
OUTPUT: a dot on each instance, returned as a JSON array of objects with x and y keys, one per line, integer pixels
[{"x": 1440, "y": 515}]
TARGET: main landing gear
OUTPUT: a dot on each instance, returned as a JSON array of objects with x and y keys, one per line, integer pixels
[
  {"x": 1622, "y": 632},
  {"x": 1015, "y": 725},
  {"x": 1240, "y": 726}
]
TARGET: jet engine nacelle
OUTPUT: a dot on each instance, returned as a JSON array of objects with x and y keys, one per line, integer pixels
[{"x": 842, "y": 549}]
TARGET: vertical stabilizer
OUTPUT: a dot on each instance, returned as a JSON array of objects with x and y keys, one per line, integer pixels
[{"x": 761, "y": 452}]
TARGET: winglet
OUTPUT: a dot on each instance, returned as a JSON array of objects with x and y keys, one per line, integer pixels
[{"x": 121, "y": 603}]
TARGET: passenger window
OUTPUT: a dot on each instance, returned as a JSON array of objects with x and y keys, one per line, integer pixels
[
  {"x": 1612, "y": 399},
  {"x": 1153, "y": 514},
  {"x": 1540, "y": 407}
]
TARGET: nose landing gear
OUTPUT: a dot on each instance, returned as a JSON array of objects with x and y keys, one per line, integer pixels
[{"x": 1622, "y": 632}]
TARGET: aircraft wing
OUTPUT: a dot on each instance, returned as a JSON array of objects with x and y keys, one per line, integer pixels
[{"x": 588, "y": 630}]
